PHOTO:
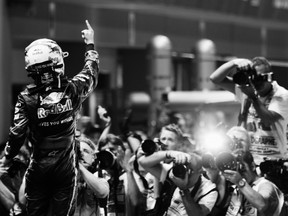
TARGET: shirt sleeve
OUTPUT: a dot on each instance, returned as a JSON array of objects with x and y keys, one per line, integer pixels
[
  {"x": 86, "y": 81},
  {"x": 273, "y": 196},
  {"x": 279, "y": 103}
]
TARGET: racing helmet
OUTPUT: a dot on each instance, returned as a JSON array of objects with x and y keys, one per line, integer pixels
[{"x": 44, "y": 58}]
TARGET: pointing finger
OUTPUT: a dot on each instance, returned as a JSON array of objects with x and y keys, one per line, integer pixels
[{"x": 88, "y": 24}]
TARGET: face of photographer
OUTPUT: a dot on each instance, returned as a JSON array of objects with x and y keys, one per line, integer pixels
[
  {"x": 168, "y": 139},
  {"x": 88, "y": 155},
  {"x": 240, "y": 137}
]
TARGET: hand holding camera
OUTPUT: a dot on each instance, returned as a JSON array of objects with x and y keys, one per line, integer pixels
[
  {"x": 179, "y": 157},
  {"x": 245, "y": 73},
  {"x": 231, "y": 165},
  {"x": 179, "y": 175},
  {"x": 233, "y": 176},
  {"x": 242, "y": 64},
  {"x": 246, "y": 76}
]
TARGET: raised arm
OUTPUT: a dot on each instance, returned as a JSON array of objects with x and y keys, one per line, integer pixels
[
  {"x": 99, "y": 185},
  {"x": 153, "y": 163},
  {"x": 87, "y": 79},
  {"x": 220, "y": 75}
]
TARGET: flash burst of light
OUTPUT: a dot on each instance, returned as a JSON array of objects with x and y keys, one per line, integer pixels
[{"x": 214, "y": 142}]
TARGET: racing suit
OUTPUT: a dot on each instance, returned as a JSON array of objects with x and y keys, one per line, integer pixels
[{"x": 47, "y": 115}]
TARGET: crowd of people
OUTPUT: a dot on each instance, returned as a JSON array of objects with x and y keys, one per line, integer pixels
[{"x": 57, "y": 162}]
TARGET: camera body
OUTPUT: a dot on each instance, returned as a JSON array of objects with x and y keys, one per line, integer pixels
[
  {"x": 273, "y": 167},
  {"x": 245, "y": 76},
  {"x": 224, "y": 161}
]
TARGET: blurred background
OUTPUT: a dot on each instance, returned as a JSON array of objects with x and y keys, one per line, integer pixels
[{"x": 155, "y": 55}]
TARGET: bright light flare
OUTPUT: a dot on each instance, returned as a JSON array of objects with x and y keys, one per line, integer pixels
[{"x": 214, "y": 142}]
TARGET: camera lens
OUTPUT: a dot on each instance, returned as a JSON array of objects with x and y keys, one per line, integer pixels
[
  {"x": 106, "y": 159},
  {"x": 179, "y": 170},
  {"x": 148, "y": 146},
  {"x": 241, "y": 78}
]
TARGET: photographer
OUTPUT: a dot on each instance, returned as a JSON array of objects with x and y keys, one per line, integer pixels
[
  {"x": 113, "y": 145},
  {"x": 253, "y": 195},
  {"x": 90, "y": 186},
  {"x": 223, "y": 186},
  {"x": 194, "y": 194},
  {"x": 264, "y": 104}
]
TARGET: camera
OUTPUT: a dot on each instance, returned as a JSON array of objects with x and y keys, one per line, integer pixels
[
  {"x": 179, "y": 170},
  {"x": 149, "y": 146},
  {"x": 226, "y": 161},
  {"x": 106, "y": 159},
  {"x": 276, "y": 171},
  {"x": 230, "y": 161},
  {"x": 245, "y": 76},
  {"x": 273, "y": 167}
]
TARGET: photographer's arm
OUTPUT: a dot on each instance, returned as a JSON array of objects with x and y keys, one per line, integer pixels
[
  {"x": 253, "y": 197},
  {"x": 7, "y": 198},
  {"x": 219, "y": 76},
  {"x": 260, "y": 200},
  {"x": 133, "y": 143},
  {"x": 99, "y": 185},
  {"x": 21, "y": 193},
  {"x": 267, "y": 116},
  {"x": 153, "y": 162},
  {"x": 133, "y": 191}
]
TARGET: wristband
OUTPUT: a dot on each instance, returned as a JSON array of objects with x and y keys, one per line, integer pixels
[{"x": 89, "y": 46}]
